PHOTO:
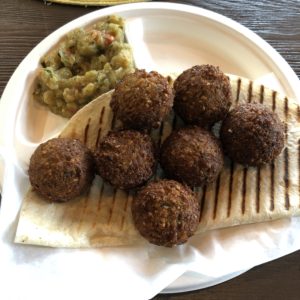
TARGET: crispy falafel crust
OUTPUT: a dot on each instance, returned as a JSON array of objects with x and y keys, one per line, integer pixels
[
  {"x": 202, "y": 95},
  {"x": 192, "y": 155},
  {"x": 252, "y": 134},
  {"x": 166, "y": 213},
  {"x": 61, "y": 169},
  {"x": 126, "y": 159},
  {"x": 142, "y": 100}
]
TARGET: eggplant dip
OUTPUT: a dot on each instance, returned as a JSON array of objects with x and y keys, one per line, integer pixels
[{"x": 86, "y": 64}]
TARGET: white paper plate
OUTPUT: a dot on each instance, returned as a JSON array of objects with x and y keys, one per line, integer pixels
[{"x": 165, "y": 37}]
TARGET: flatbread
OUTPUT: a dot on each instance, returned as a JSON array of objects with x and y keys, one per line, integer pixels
[{"x": 239, "y": 196}]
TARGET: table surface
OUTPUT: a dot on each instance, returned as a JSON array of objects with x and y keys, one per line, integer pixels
[{"x": 25, "y": 23}]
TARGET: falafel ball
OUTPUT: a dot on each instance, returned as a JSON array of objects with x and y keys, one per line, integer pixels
[
  {"x": 192, "y": 155},
  {"x": 202, "y": 95},
  {"x": 252, "y": 134},
  {"x": 126, "y": 159},
  {"x": 61, "y": 169},
  {"x": 166, "y": 213},
  {"x": 142, "y": 100}
]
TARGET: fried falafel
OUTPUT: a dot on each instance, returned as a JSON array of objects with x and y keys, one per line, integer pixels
[
  {"x": 126, "y": 159},
  {"x": 61, "y": 169},
  {"x": 166, "y": 213},
  {"x": 202, "y": 95},
  {"x": 142, "y": 100},
  {"x": 192, "y": 155},
  {"x": 252, "y": 134}
]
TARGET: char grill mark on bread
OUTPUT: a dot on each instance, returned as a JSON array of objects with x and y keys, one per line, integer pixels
[
  {"x": 272, "y": 187},
  {"x": 100, "y": 124},
  {"x": 272, "y": 165},
  {"x": 250, "y": 91},
  {"x": 258, "y": 178},
  {"x": 86, "y": 131},
  {"x": 286, "y": 155},
  {"x": 299, "y": 170},
  {"x": 216, "y": 196},
  {"x": 202, "y": 202},
  {"x": 244, "y": 190},
  {"x": 274, "y": 94},
  {"x": 232, "y": 166},
  {"x": 245, "y": 171},
  {"x": 238, "y": 90},
  {"x": 258, "y": 190},
  {"x": 261, "y": 94}
]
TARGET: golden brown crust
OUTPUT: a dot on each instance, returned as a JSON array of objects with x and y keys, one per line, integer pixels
[
  {"x": 202, "y": 95},
  {"x": 166, "y": 213},
  {"x": 192, "y": 155},
  {"x": 126, "y": 159},
  {"x": 252, "y": 134},
  {"x": 142, "y": 100},
  {"x": 61, "y": 169}
]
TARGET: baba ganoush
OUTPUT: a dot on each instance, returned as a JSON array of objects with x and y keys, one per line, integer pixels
[{"x": 86, "y": 64}]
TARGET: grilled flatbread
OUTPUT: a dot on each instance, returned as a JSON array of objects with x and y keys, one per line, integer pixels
[{"x": 239, "y": 196}]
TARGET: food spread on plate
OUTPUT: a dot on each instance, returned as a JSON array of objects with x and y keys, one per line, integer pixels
[
  {"x": 86, "y": 64},
  {"x": 123, "y": 134}
]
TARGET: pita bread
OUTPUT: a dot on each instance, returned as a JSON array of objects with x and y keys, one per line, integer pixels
[{"x": 239, "y": 196}]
